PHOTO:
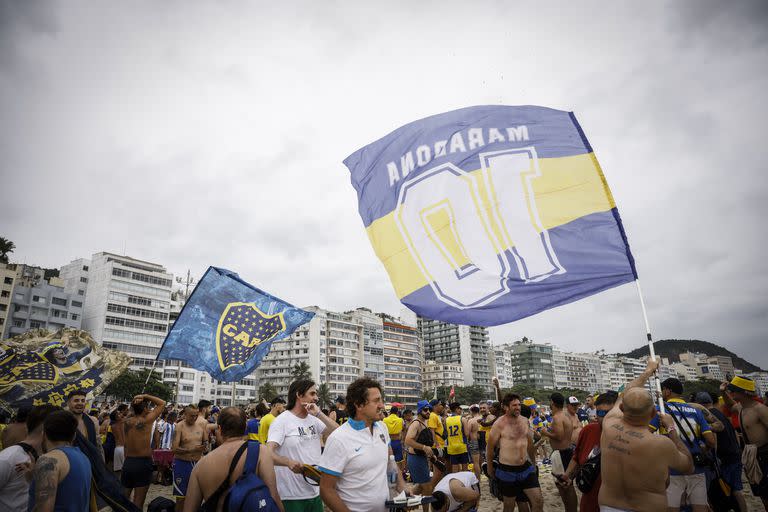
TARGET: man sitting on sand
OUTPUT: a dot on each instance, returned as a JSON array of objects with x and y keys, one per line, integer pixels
[{"x": 635, "y": 462}]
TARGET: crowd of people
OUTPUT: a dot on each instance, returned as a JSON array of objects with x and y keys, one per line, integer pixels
[{"x": 291, "y": 455}]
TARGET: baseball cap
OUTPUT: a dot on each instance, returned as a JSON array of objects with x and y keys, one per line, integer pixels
[
  {"x": 702, "y": 397},
  {"x": 435, "y": 402},
  {"x": 423, "y": 404},
  {"x": 742, "y": 384},
  {"x": 340, "y": 400},
  {"x": 573, "y": 400}
]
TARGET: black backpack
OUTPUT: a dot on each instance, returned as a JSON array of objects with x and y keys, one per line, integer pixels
[
  {"x": 161, "y": 504},
  {"x": 587, "y": 474}
]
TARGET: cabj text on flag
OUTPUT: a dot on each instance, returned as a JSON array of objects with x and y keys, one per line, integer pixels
[
  {"x": 228, "y": 326},
  {"x": 489, "y": 214}
]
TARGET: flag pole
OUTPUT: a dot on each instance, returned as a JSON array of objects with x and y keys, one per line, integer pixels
[
  {"x": 149, "y": 375},
  {"x": 650, "y": 345}
]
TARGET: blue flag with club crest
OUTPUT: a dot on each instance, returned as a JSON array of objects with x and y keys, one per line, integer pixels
[{"x": 228, "y": 326}]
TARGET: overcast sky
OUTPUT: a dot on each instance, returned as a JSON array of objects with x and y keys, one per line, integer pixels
[{"x": 213, "y": 133}]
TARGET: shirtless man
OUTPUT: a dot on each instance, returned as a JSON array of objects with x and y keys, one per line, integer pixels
[
  {"x": 635, "y": 462},
  {"x": 560, "y": 435},
  {"x": 514, "y": 438},
  {"x": 76, "y": 405},
  {"x": 484, "y": 424},
  {"x": 472, "y": 433},
  {"x": 754, "y": 425},
  {"x": 572, "y": 410},
  {"x": 188, "y": 445},
  {"x": 118, "y": 431},
  {"x": 137, "y": 468},
  {"x": 212, "y": 469}
]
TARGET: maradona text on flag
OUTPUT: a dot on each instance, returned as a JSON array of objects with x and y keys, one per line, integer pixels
[{"x": 489, "y": 214}]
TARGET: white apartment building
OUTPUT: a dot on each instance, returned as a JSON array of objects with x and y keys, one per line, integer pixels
[
  {"x": 725, "y": 363},
  {"x": 577, "y": 371},
  {"x": 463, "y": 345},
  {"x": 761, "y": 381},
  {"x": 685, "y": 372},
  {"x": 710, "y": 371},
  {"x": 612, "y": 374},
  {"x": 501, "y": 367},
  {"x": 402, "y": 361},
  {"x": 436, "y": 374},
  {"x": 75, "y": 276},
  {"x": 127, "y": 305}
]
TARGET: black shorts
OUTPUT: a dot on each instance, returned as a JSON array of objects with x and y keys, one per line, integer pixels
[
  {"x": 566, "y": 455},
  {"x": 137, "y": 472},
  {"x": 513, "y": 480}
]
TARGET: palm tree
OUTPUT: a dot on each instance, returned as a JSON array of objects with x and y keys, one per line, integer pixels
[
  {"x": 267, "y": 392},
  {"x": 6, "y": 247},
  {"x": 301, "y": 371},
  {"x": 324, "y": 394}
]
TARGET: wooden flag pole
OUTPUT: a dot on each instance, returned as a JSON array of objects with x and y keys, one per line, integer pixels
[{"x": 650, "y": 345}]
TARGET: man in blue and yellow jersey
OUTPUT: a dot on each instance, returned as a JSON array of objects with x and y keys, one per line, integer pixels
[
  {"x": 436, "y": 424},
  {"x": 395, "y": 425},
  {"x": 456, "y": 425},
  {"x": 278, "y": 406}
]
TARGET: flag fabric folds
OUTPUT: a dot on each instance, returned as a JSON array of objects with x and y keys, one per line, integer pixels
[
  {"x": 228, "y": 326},
  {"x": 39, "y": 367},
  {"x": 489, "y": 214}
]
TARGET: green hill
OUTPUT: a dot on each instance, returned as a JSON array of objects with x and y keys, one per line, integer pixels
[{"x": 673, "y": 348}]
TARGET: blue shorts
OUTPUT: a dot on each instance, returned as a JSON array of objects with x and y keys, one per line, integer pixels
[
  {"x": 731, "y": 473},
  {"x": 397, "y": 449},
  {"x": 418, "y": 467},
  {"x": 459, "y": 458},
  {"x": 182, "y": 470}
]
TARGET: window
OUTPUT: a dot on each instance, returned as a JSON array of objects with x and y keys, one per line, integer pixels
[
  {"x": 77, "y": 304},
  {"x": 8, "y": 280},
  {"x": 81, "y": 292},
  {"x": 74, "y": 316},
  {"x": 5, "y": 293},
  {"x": 83, "y": 279},
  {"x": 187, "y": 388},
  {"x": 33, "y": 324},
  {"x": 59, "y": 302},
  {"x": 85, "y": 268},
  {"x": 18, "y": 323}
]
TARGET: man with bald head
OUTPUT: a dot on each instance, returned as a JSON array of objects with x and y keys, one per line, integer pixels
[{"x": 635, "y": 462}]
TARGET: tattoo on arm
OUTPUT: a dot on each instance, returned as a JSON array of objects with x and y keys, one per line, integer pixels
[{"x": 46, "y": 481}]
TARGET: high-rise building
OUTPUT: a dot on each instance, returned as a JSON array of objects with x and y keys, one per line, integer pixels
[
  {"x": 532, "y": 363},
  {"x": 75, "y": 276},
  {"x": 725, "y": 363},
  {"x": 576, "y": 371},
  {"x": 37, "y": 303},
  {"x": 436, "y": 374},
  {"x": 373, "y": 343},
  {"x": 463, "y": 345},
  {"x": 127, "y": 305},
  {"x": 7, "y": 280},
  {"x": 501, "y": 367},
  {"x": 402, "y": 362}
]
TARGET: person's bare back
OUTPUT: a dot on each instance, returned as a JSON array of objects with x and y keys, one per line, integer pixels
[
  {"x": 754, "y": 420},
  {"x": 635, "y": 462},
  {"x": 138, "y": 428},
  {"x": 562, "y": 441},
  {"x": 576, "y": 427}
]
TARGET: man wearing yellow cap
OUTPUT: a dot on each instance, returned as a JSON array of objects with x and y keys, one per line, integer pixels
[{"x": 753, "y": 417}]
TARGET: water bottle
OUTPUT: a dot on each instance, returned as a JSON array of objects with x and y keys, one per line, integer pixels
[{"x": 392, "y": 471}]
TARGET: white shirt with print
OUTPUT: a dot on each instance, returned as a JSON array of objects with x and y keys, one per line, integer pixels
[{"x": 298, "y": 439}]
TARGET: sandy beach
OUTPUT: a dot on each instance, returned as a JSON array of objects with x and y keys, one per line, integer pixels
[{"x": 488, "y": 503}]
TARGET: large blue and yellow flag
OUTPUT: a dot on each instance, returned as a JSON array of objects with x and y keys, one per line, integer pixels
[
  {"x": 489, "y": 214},
  {"x": 227, "y": 326}
]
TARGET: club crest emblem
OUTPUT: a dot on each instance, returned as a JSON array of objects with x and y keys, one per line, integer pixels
[{"x": 242, "y": 328}]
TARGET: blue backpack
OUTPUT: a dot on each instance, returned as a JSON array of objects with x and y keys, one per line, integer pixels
[{"x": 250, "y": 493}]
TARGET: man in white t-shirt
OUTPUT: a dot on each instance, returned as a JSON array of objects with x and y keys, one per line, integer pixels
[
  {"x": 457, "y": 492},
  {"x": 17, "y": 460},
  {"x": 354, "y": 462},
  {"x": 294, "y": 438}
]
